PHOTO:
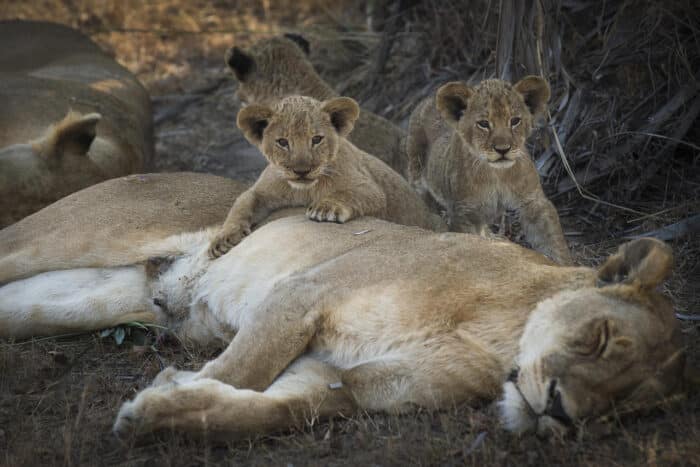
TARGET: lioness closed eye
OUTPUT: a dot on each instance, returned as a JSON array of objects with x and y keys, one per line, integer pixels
[
  {"x": 466, "y": 150},
  {"x": 312, "y": 164}
]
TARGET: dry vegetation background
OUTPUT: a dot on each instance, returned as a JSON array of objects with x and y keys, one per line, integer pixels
[{"x": 624, "y": 121}]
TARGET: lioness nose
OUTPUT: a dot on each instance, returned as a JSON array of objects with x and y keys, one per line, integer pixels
[
  {"x": 555, "y": 407},
  {"x": 502, "y": 149},
  {"x": 301, "y": 173}
]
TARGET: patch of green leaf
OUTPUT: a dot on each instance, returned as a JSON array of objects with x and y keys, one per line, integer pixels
[{"x": 120, "y": 333}]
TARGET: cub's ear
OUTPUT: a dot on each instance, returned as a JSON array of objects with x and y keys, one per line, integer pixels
[
  {"x": 646, "y": 262},
  {"x": 343, "y": 112},
  {"x": 72, "y": 135},
  {"x": 535, "y": 91},
  {"x": 451, "y": 100},
  {"x": 240, "y": 63},
  {"x": 300, "y": 41},
  {"x": 253, "y": 120}
]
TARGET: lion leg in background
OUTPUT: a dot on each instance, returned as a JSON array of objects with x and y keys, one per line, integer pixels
[
  {"x": 304, "y": 391},
  {"x": 416, "y": 144},
  {"x": 75, "y": 300},
  {"x": 468, "y": 218},
  {"x": 543, "y": 231},
  {"x": 268, "y": 340}
]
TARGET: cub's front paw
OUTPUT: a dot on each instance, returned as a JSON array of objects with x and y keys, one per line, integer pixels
[
  {"x": 226, "y": 240},
  {"x": 329, "y": 211}
]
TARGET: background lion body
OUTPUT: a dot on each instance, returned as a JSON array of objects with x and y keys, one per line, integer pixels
[{"x": 48, "y": 71}]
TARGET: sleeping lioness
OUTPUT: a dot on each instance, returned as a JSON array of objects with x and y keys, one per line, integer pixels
[
  {"x": 312, "y": 164},
  {"x": 321, "y": 321}
]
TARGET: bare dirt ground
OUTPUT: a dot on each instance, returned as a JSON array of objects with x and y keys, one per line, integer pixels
[{"x": 59, "y": 396}]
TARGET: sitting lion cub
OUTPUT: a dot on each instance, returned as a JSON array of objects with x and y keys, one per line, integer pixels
[
  {"x": 313, "y": 164},
  {"x": 277, "y": 67},
  {"x": 466, "y": 151}
]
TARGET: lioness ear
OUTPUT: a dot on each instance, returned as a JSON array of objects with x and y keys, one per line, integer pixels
[
  {"x": 240, "y": 63},
  {"x": 343, "y": 112},
  {"x": 300, "y": 41},
  {"x": 451, "y": 100},
  {"x": 535, "y": 91},
  {"x": 74, "y": 134},
  {"x": 253, "y": 120},
  {"x": 646, "y": 262}
]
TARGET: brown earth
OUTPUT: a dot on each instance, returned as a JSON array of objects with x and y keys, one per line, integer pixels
[{"x": 59, "y": 396}]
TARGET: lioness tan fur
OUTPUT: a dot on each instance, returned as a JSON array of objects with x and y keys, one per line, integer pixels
[
  {"x": 313, "y": 165},
  {"x": 278, "y": 67},
  {"x": 70, "y": 117},
  {"x": 162, "y": 205},
  {"x": 467, "y": 152},
  {"x": 323, "y": 321}
]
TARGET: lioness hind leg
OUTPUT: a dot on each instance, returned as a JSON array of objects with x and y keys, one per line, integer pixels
[
  {"x": 394, "y": 387},
  {"x": 77, "y": 300},
  {"x": 302, "y": 393},
  {"x": 434, "y": 374}
]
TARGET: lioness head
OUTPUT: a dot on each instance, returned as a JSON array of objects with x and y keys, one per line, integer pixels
[
  {"x": 272, "y": 69},
  {"x": 583, "y": 351},
  {"x": 494, "y": 118},
  {"x": 299, "y": 135}
]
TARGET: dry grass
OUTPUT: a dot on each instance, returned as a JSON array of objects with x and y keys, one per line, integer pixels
[
  {"x": 58, "y": 397},
  {"x": 168, "y": 43},
  {"x": 625, "y": 77}
]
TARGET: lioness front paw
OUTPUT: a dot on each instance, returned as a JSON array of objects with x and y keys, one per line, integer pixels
[
  {"x": 329, "y": 211},
  {"x": 127, "y": 422},
  {"x": 146, "y": 412},
  {"x": 227, "y": 240},
  {"x": 172, "y": 375}
]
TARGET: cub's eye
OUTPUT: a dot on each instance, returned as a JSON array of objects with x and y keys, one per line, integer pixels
[
  {"x": 484, "y": 124},
  {"x": 283, "y": 143},
  {"x": 316, "y": 139},
  {"x": 515, "y": 121}
]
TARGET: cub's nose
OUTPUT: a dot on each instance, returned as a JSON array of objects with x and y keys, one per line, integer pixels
[
  {"x": 301, "y": 173},
  {"x": 502, "y": 149}
]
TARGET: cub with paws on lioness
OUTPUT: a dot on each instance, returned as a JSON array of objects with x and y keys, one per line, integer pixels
[
  {"x": 277, "y": 67},
  {"x": 466, "y": 151},
  {"x": 312, "y": 164}
]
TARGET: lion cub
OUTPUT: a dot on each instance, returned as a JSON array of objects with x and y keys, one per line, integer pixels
[
  {"x": 313, "y": 164},
  {"x": 277, "y": 67},
  {"x": 466, "y": 151}
]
